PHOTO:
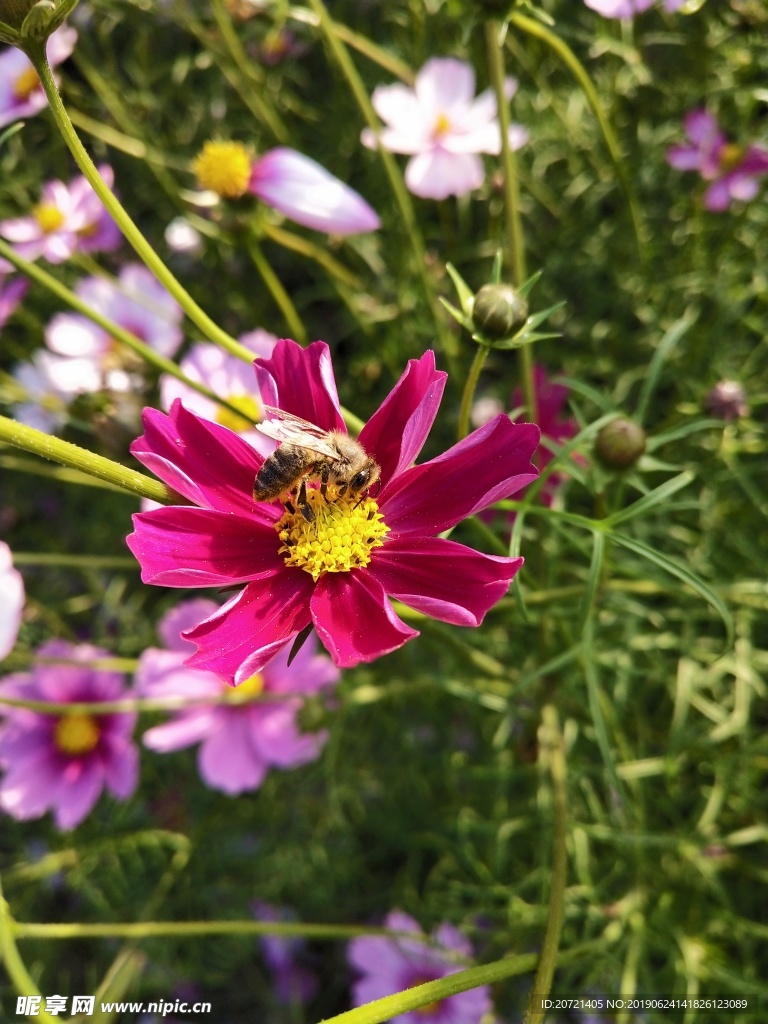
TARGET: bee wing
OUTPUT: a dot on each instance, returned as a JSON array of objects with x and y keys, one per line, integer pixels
[{"x": 293, "y": 429}]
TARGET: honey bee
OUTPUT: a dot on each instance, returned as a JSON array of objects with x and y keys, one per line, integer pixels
[{"x": 306, "y": 451}]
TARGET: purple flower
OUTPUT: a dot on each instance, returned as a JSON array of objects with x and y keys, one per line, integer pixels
[
  {"x": 336, "y": 568},
  {"x": 442, "y": 126},
  {"x": 239, "y": 741},
  {"x": 629, "y": 8},
  {"x": 294, "y": 983},
  {"x": 11, "y": 293},
  {"x": 47, "y": 383},
  {"x": 61, "y": 762},
  {"x": 734, "y": 171},
  {"x": 229, "y": 378},
  {"x": 11, "y": 601},
  {"x": 305, "y": 192},
  {"x": 68, "y": 218},
  {"x": 86, "y": 357},
  {"x": 21, "y": 94},
  {"x": 392, "y": 965}
]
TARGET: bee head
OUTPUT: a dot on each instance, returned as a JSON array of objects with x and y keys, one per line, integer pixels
[{"x": 367, "y": 476}]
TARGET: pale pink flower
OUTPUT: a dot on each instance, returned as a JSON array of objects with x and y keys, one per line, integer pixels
[
  {"x": 629, "y": 8},
  {"x": 61, "y": 762},
  {"x": 305, "y": 192},
  {"x": 442, "y": 126},
  {"x": 11, "y": 601},
  {"x": 48, "y": 382},
  {"x": 228, "y": 377},
  {"x": 87, "y": 358},
  {"x": 239, "y": 740},
  {"x": 68, "y": 218},
  {"x": 21, "y": 94}
]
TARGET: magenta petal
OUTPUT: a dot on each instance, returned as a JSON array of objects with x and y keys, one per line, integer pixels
[
  {"x": 491, "y": 464},
  {"x": 300, "y": 381},
  {"x": 245, "y": 633},
  {"x": 445, "y": 580},
  {"x": 278, "y": 738},
  {"x": 396, "y": 432},
  {"x": 183, "y": 731},
  {"x": 77, "y": 797},
  {"x": 121, "y": 768},
  {"x": 228, "y": 760},
  {"x": 181, "y": 448},
  {"x": 354, "y": 619},
  {"x": 183, "y": 546}
]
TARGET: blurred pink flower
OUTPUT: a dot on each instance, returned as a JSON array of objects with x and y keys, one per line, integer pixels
[
  {"x": 11, "y": 601},
  {"x": 228, "y": 377},
  {"x": 629, "y": 8},
  {"x": 21, "y": 94},
  {"x": 334, "y": 571},
  {"x": 302, "y": 190},
  {"x": 12, "y": 291},
  {"x": 44, "y": 405},
  {"x": 68, "y": 218},
  {"x": 294, "y": 983},
  {"x": 239, "y": 742},
  {"x": 734, "y": 171},
  {"x": 85, "y": 357},
  {"x": 442, "y": 126},
  {"x": 391, "y": 965},
  {"x": 61, "y": 762}
]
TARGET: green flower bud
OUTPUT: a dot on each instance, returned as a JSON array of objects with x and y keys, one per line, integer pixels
[
  {"x": 620, "y": 443},
  {"x": 23, "y": 21},
  {"x": 499, "y": 311}
]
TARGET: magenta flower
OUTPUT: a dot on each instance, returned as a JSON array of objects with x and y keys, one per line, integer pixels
[
  {"x": 12, "y": 291},
  {"x": 734, "y": 171},
  {"x": 392, "y": 965},
  {"x": 11, "y": 601},
  {"x": 68, "y": 218},
  {"x": 229, "y": 378},
  {"x": 336, "y": 570},
  {"x": 294, "y": 983},
  {"x": 629, "y": 8},
  {"x": 86, "y": 358},
  {"x": 21, "y": 94},
  {"x": 302, "y": 190},
  {"x": 239, "y": 742},
  {"x": 442, "y": 126},
  {"x": 61, "y": 762}
]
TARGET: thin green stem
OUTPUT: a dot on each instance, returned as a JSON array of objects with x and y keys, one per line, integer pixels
[
  {"x": 53, "y": 448},
  {"x": 14, "y": 965},
  {"x": 277, "y": 291},
  {"x": 515, "y": 241},
  {"x": 553, "y": 757},
  {"x": 36, "y": 53},
  {"x": 465, "y": 409}
]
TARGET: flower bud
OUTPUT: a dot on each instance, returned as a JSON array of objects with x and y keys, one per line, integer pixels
[
  {"x": 22, "y": 21},
  {"x": 728, "y": 400},
  {"x": 620, "y": 443},
  {"x": 499, "y": 310}
]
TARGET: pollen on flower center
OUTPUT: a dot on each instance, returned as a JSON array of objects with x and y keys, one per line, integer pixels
[
  {"x": 224, "y": 167},
  {"x": 26, "y": 84},
  {"x": 442, "y": 125},
  {"x": 340, "y": 537},
  {"x": 76, "y": 734},
  {"x": 49, "y": 217},
  {"x": 248, "y": 408},
  {"x": 730, "y": 156},
  {"x": 244, "y": 692}
]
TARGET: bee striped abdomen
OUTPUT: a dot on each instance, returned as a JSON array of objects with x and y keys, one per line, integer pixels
[{"x": 284, "y": 467}]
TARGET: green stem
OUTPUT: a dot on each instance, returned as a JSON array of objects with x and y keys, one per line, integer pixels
[
  {"x": 468, "y": 393},
  {"x": 36, "y": 53},
  {"x": 14, "y": 965},
  {"x": 552, "y": 754},
  {"x": 71, "y": 455},
  {"x": 277, "y": 291},
  {"x": 514, "y": 228},
  {"x": 58, "y": 560}
]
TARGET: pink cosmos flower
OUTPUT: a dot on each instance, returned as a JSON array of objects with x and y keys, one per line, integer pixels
[
  {"x": 442, "y": 126},
  {"x": 21, "y": 94},
  {"x": 239, "y": 742},
  {"x": 335, "y": 569},
  {"x": 229, "y": 378},
  {"x": 294, "y": 983},
  {"x": 392, "y": 965},
  {"x": 86, "y": 357},
  {"x": 305, "y": 192},
  {"x": 68, "y": 218},
  {"x": 61, "y": 762},
  {"x": 12, "y": 291},
  {"x": 629, "y": 8},
  {"x": 11, "y": 601},
  {"x": 733, "y": 171}
]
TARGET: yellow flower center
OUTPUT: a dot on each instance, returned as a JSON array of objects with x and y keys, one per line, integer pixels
[
  {"x": 224, "y": 167},
  {"x": 247, "y": 406},
  {"x": 340, "y": 537},
  {"x": 26, "y": 84},
  {"x": 442, "y": 125},
  {"x": 731, "y": 156},
  {"x": 76, "y": 734},
  {"x": 244, "y": 692},
  {"x": 49, "y": 217}
]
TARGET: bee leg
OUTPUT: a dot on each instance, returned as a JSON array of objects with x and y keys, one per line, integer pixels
[
  {"x": 342, "y": 489},
  {"x": 325, "y": 473},
  {"x": 304, "y": 506},
  {"x": 288, "y": 506}
]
